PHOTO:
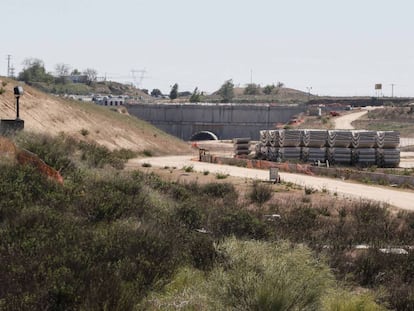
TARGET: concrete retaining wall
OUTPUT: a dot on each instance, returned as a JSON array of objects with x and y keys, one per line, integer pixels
[{"x": 225, "y": 120}]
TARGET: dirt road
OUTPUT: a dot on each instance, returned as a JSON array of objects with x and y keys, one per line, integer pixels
[
  {"x": 344, "y": 122},
  {"x": 398, "y": 198}
]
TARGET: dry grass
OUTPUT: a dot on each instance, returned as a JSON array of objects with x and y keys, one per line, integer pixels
[{"x": 44, "y": 113}]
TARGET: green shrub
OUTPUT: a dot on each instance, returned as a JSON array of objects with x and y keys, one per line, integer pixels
[
  {"x": 269, "y": 276},
  {"x": 190, "y": 216},
  {"x": 251, "y": 275},
  {"x": 343, "y": 301},
  {"x": 219, "y": 190},
  {"x": 84, "y": 132},
  {"x": 221, "y": 176},
  {"x": 188, "y": 168},
  {"x": 309, "y": 190},
  {"x": 260, "y": 193},
  {"x": 2, "y": 90},
  {"x": 241, "y": 223},
  {"x": 147, "y": 153},
  {"x": 55, "y": 151}
]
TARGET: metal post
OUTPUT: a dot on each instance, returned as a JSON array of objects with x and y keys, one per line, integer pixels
[{"x": 17, "y": 108}]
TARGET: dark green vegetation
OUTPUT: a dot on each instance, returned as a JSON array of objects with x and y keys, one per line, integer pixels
[
  {"x": 67, "y": 81},
  {"x": 115, "y": 240}
]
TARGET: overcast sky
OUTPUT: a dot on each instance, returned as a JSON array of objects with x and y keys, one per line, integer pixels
[{"x": 335, "y": 47}]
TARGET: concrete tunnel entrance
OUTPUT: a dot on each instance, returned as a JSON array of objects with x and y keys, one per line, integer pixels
[{"x": 204, "y": 135}]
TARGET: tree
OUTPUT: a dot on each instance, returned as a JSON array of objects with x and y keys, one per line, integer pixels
[
  {"x": 196, "y": 96},
  {"x": 268, "y": 89},
  {"x": 227, "y": 91},
  {"x": 174, "y": 92},
  {"x": 156, "y": 93},
  {"x": 280, "y": 85},
  {"x": 75, "y": 72},
  {"x": 91, "y": 75},
  {"x": 34, "y": 71},
  {"x": 252, "y": 89},
  {"x": 62, "y": 71}
]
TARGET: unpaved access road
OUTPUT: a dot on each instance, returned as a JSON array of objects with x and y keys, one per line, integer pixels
[
  {"x": 344, "y": 122},
  {"x": 398, "y": 198}
]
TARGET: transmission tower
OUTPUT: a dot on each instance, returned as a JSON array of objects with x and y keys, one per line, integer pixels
[{"x": 138, "y": 76}]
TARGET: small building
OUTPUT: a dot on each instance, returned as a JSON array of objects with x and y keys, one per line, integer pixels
[{"x": 109, "y": 100}]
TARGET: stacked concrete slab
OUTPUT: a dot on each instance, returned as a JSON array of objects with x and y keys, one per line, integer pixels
[
  {"x": 241, "y": 146},
  {"x": 337, "y": 146}
]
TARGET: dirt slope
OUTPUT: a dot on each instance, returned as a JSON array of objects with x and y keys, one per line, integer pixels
[{"x": 44, "y": 113}]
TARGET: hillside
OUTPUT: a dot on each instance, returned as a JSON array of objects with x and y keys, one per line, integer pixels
[
  {"x": 102, "y": 88},
  {"x": 283, "y": 94},
  {"x": 114, "y": 129}
]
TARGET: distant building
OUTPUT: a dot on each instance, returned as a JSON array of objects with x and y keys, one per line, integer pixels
[
  {"x": 109, "y": 100},
  {"x": 76, "y": 78}
]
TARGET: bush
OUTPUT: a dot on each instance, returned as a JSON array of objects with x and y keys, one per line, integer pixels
[
  {"x": 190, "y": 216},
  {"x": 147, "y": 153},
  {"x": 145, "y": 164},
  {"x": 188, "y": 169},
  {"x": 260, "y": 193},
  {"x": 55, "y": 151},
  {"x": 219, "y": 190},
  {"x": 309, "y": 190},
  {"x": 221, "y": 176},
  {"x": 84, "y": 132},
  {"x": 241, "y": 224},
  {"x": 251, "y": 276},
  {"x": 269, "y": 276},
  {"x": 343, "y": 301}
]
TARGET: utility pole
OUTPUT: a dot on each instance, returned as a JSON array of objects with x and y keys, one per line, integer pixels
[
  {"x": 309, "y": 88},
  {"x": 8, "y": 65},
  {"x": 392, "y": 89}
]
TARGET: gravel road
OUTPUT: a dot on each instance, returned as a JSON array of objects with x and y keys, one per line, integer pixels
[
  {"x": 344, "y": 122},
  {"x": 395, "y": 197}
]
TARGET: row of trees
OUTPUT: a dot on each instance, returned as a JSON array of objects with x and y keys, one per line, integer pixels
[
  {"x": 34, "y": 71},
  {"x": 226, "y": 91}
]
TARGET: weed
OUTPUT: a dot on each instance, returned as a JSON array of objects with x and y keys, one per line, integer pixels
[
  {"x": 309, "y": 190},
  {"x": 4, "y": 83},
  {"x": 84, "y": 132},
  {"x": 306, "y": 200},
  {"x": 221, "y": 176},
  {"x": 188, "y": 168},
  {"x": 146, "y": 164},
  {"x": 2, "y": 91},
  {"x": 147, "y": 153}
]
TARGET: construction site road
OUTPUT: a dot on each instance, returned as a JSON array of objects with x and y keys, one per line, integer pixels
[
  {"x": 345, "y": 122},
  {"x": 402, "y": 199}
]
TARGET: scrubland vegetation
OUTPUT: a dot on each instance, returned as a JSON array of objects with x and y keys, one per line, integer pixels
[{"x": 109, "y": 239}]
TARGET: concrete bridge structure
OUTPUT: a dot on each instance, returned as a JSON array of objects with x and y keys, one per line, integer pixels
[{"x": 206, "y": 120}]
